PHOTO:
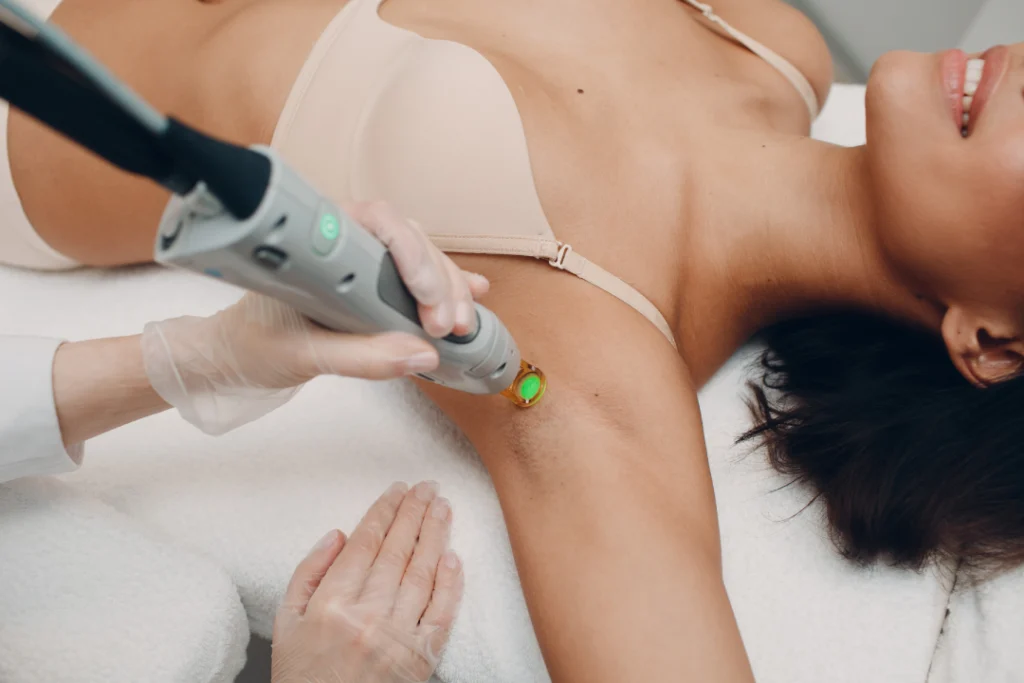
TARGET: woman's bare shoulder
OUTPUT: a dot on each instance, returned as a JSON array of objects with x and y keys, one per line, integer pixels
[{"x": 787, "y": 31}]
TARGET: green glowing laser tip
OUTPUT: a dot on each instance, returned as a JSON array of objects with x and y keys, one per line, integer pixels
[{"x": 529, "y": 387}]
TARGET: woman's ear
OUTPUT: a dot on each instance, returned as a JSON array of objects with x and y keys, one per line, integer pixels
[{"x": 986, "y": 349}]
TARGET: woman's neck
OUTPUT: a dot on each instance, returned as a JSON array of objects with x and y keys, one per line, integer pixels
[{"x": 786, "y": 229}]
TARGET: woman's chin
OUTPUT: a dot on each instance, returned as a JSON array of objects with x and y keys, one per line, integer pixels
[{"x": 909, "y": 91}]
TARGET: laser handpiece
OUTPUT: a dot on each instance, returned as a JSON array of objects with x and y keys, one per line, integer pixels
[{"x": 299, "y": 248}]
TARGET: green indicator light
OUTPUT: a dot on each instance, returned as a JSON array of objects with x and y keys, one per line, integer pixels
[
  {"x": 329, "y": 227},
  {"x": 529, "y": 387}
]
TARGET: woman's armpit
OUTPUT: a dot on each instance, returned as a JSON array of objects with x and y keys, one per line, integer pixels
[
  {"x": 542, "y": 441},
  {"x": 562, "y": 435},
  {"x": 608, "y": 369},
  {"x": 505, "y": 433}
]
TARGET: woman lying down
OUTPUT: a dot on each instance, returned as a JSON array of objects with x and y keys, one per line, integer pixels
[{"x": 667, "y": 143}]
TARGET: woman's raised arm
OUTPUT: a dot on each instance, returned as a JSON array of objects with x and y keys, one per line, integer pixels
[{"x": 607, "y": 495}]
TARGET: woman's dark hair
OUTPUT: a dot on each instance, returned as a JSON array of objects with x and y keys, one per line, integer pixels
[{"x": 912, "y": 462}]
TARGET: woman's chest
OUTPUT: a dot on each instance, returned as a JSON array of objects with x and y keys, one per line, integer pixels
[
  {"x": 586, "y": 116},
  {"x": 630, "y": 56}
]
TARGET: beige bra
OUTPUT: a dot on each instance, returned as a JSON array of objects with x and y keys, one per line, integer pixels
[{"x": 380, "y": 112}]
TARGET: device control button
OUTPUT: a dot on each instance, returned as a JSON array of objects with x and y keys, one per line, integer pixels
[
  {"x": 270, "y": 258},
  {"x": 466, "y": 338},
  {"x": 326, "y": 232}
]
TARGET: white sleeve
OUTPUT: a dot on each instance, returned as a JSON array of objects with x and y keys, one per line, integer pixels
[{"x": 30, "y": 439}]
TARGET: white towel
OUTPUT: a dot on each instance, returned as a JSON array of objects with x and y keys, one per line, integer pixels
[
  {"x": 256, "y": 499},
  {"x": 86, "y": 596},
  {"x": 982, "y": 637}
]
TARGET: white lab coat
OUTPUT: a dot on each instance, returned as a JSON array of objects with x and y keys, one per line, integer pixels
[{"x": 30, "y": 440}]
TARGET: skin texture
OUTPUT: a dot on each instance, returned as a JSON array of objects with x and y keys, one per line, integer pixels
[{"x": 681, "y": 162}]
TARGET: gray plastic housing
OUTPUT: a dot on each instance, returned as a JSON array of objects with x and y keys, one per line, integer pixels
[{"x": 303, "y": 250}]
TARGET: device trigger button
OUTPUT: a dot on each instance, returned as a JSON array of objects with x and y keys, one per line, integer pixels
[
  {"x": 270, "y": 258},
  {"x": 466, "y": 338}
]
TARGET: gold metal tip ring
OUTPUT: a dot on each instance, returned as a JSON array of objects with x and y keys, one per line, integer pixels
[{"x": 528, "y": 387}]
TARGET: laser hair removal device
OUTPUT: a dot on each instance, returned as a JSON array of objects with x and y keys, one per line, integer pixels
[
  {"x": 241, "y": 214},
  {"x": 296, "y": 246}
]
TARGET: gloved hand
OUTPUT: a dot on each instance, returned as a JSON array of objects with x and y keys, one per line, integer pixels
[
  {"x": 378, "y": 607},
  {"x": 228, "y": 369}
]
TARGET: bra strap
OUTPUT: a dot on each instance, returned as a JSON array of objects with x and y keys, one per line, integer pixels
[
  {"x": 559, "y": 255},
  {"x": 783, "y": 65}
]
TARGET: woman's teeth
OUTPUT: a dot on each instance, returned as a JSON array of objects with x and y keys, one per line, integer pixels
[{"x": 975, "y": 68}]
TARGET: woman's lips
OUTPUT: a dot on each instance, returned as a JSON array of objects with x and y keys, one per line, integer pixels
[{"x": 997, "y": 60}]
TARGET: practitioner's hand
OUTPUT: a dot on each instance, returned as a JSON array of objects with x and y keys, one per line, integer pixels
[
  {"x": 233, "y": 367},
  {"x": 377, "y": 607},
  {"x": 444, "y": 291}
]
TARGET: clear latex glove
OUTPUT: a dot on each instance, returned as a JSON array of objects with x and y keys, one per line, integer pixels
[
  {"x": 377, "y": 607},
  {"x": 228, "y": 369}
]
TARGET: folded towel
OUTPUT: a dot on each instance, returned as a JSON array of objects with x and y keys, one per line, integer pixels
[{"x": 87, "y": 596}]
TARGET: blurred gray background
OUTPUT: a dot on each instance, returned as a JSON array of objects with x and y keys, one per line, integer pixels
[{"x": 858, "y": 31}]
